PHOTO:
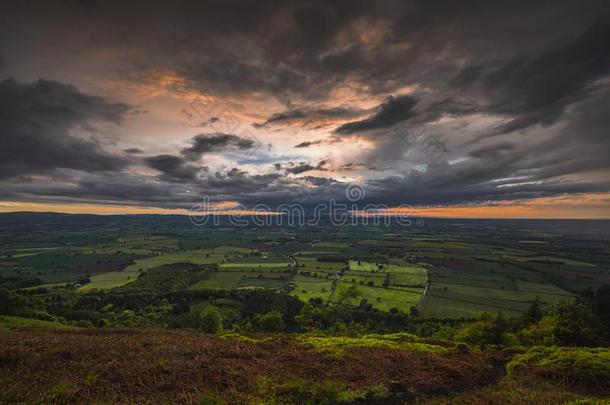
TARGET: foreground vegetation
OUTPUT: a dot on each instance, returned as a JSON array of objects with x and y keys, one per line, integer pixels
[
  {"x": 87, "y": 365},
  {"x": 560, "y": 355}
]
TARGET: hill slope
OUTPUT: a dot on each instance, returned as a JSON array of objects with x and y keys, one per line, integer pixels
[{"x": 141, "y": 366}]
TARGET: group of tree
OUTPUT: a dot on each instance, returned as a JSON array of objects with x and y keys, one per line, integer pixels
[{"x": 581, "y": 321}]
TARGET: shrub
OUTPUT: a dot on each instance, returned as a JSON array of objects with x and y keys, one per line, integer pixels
[
  {"x": 319, "y": 393},
  {"x": 239, "y": 338},
  {"x": 211, "y": 320},
  {"x": 587, "y": 367},
  {"x": 270, "y": 322},
  {"x": 10, "y": 302},
  {"x": 335, "y": 346},
  {"x": 62, "y": 389},
  {"x": 207, "y": 398},
  {"x": 488, "y": 330},
  {"x": 570, "y": 323}
]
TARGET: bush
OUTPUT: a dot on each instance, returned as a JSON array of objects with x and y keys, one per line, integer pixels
[
  {"x": 270, "y": 322},
  {"x": 488, "y": 330},
  {"x": 318, "y": 393},
  {"x": 570, "y": 323},
  {"x": 11, "y": 303},
  {"x": 211, "y": 320},
  {"x": 207, "y": 398},
  {"x": 335, "y": 346},
  {"x": 585, "y": 367}
]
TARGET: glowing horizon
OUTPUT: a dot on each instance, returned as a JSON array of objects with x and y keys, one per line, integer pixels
[{"x": 591, "y": 206}]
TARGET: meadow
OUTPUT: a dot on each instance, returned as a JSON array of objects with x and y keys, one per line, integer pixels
[{"x": 438, "y": 272}]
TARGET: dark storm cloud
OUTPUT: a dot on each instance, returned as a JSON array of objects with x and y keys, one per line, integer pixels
[
  {"x": 216, "y": 142},
  {"x": 133, "y": 151},
  {"x": 283, "y": 116},
  {"x": 238, "y": 182},
  {"x": 307, "y": 144},
  {"x": 301, "y": 167},
  {"x": 172, "y": 168},
  {"x": 536, "y": 90},
  {"x": 503, "y": 171},
  {"x": 308, "y": 115},
  {"x": 392, "y": 111},
  {"x": 38, "y": 125},
  {"x": 355, "y": 166},
  {"x": 329, "y": 141},
  {"x": 492, "y": 151}
]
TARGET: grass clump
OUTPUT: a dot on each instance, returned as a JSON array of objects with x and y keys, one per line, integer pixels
[
  {"x": 335, "y": 346},
  {"x": 239, "y": 338},
  {"x": 309, "y": 392},
  {"x": 16, "y": 323},
  {"x": 577, "y": 366},
  {"x": 208, "y": 398},
  {"x": 91, "y": 379},
  {"x": 61, "y": 390}
]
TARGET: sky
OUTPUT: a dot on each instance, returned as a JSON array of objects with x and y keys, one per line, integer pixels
[{"x": 452, "y": 108}]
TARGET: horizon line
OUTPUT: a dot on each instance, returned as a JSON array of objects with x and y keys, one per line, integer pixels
[{"x": 249, "y": 214}]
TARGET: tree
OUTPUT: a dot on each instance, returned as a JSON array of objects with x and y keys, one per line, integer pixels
[
  {"x": 600, "y": 305},
  {"x": 270, "y": 322},
  {"x": 346, "y": 294},
  {"x": 533, "y": 314},
  {"x": 11, "y": 303},
  {"x": 311, "y": 315},
  {"x": 570, "y": 323},
  {"x": 488, "y": 330},
  {"x": 211, "y": 320}
]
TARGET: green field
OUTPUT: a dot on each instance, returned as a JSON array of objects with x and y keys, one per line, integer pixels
[
  {"x": 384, "y": 298},
  {"x": 220, "y": 255},
  {"x": 463, "y": 273},
  {"x": 310, "y": 287}
]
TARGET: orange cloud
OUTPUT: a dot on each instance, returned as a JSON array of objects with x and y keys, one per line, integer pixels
[{"x": 585, "y": 206}]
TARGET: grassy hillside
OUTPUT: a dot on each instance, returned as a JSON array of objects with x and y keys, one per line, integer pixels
[
  {"x": 48, "y": 365},
  {"x": 18, "y": 323}
]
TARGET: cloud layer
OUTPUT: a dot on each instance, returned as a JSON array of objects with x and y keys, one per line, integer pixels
[{"x": 424, "y": 103}]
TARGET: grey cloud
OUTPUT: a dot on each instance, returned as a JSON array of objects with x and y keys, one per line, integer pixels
[
  {"x": 355, "y": 166},
  {"x": 302, "y": 167},
  {"x": 215, "y": 142},
  {"x": 172, "y": 168},
  {"x": 392, "y": 111},
  {"x": 537, "y": 90},
  {"x": 329, "y": 141},
  {"x": 307, "y": 144},
  {"x": 38, "y": 122},
  {"x": 307, "y": 115},
  {"x": 492, "y": 151},
  {"x": 133, "y": 151}
]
